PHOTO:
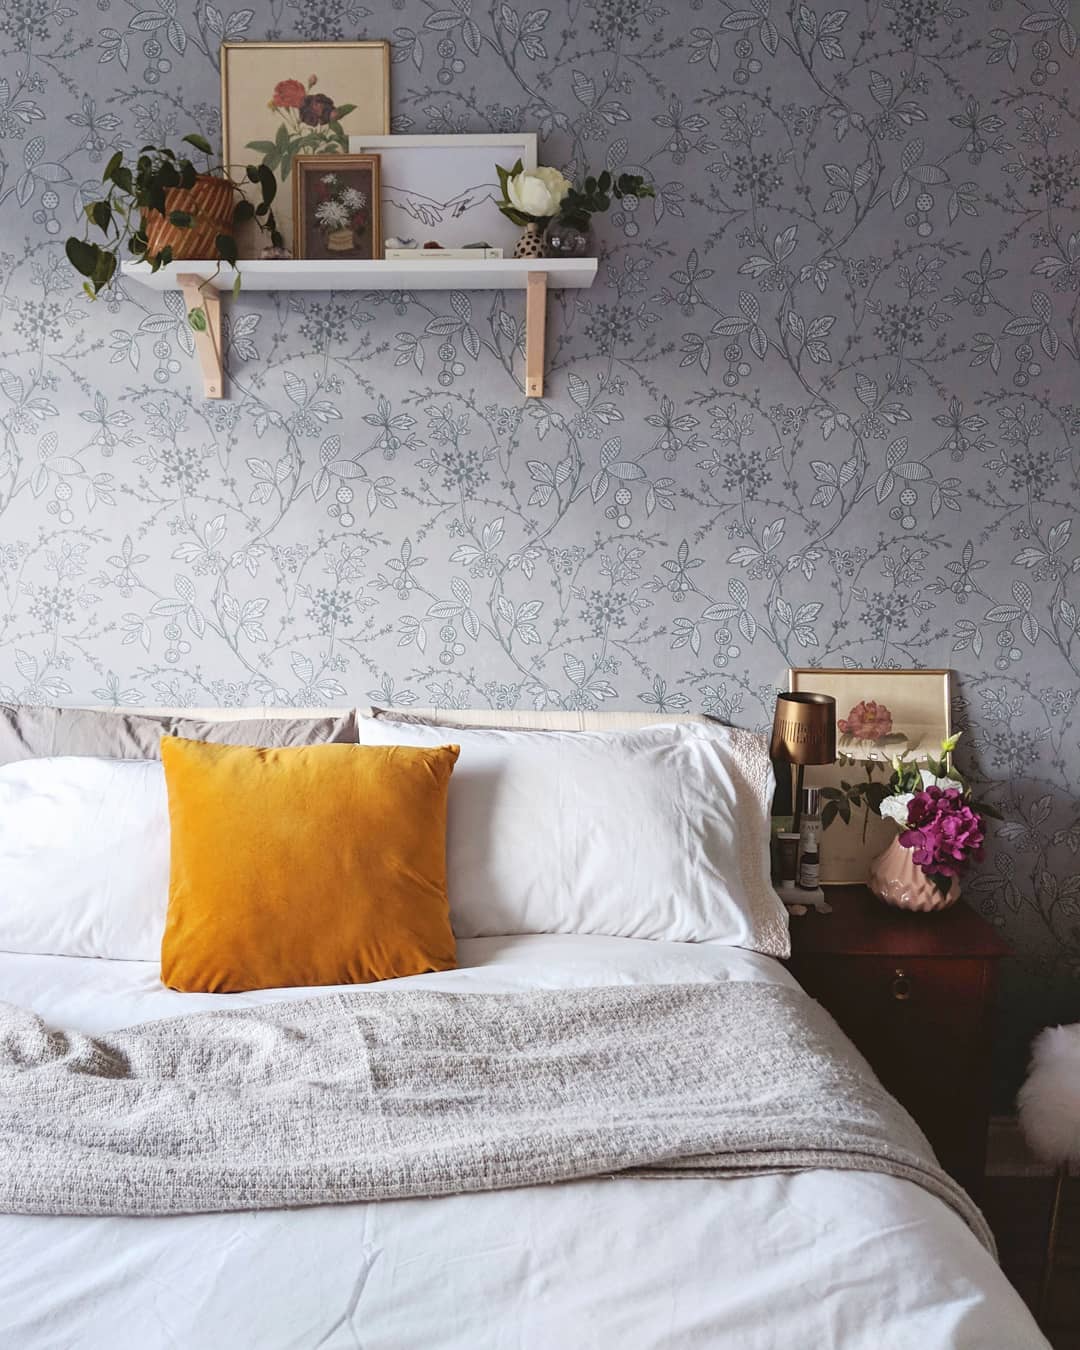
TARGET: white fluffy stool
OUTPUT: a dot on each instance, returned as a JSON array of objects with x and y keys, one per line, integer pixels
[{"x": 1050, "y": 1118}]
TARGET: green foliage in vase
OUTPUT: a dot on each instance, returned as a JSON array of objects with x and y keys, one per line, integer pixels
[{"x": 596, "y": 195}]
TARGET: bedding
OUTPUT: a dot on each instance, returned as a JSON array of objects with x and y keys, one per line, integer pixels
[
  {"x": 420, "y": 1093},
  {"x": 31, "y": 732},
  {"x": 856, "y": 1261},
  {"x": 312, "y": 865},
  {"x": 660, "y": 832},
  {"x": 84, "y": 857}
]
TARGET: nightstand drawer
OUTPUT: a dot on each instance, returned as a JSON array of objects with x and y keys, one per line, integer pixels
[{"x": 922, "y": 1022}]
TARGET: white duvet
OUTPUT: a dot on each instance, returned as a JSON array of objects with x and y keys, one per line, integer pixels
[{"x": 809, "y": 1262}]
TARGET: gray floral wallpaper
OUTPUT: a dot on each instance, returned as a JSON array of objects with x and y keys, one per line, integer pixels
[{"x": 822, "y": 405}]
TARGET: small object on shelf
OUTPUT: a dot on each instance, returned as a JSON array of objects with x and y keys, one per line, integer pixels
[
  {"x": 809, "y": 869},
  {"x": 400, "y": 245},
  {"x": 531, "y": 243},
  {"x": 796, "y": 897},
  {"x": 810, "y": 848},
  {"x": 788, "y": 843},
  {"x": 563, "y": 240},
  {"x": 443, "y": 254},
  {"x": 433, "y": 243}
]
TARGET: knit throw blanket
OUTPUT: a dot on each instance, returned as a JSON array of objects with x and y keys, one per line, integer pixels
[{"x": 384, "y": 1095}]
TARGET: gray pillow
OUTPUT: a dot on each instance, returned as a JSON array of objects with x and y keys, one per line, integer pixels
[{"x": 36, "y": 733}]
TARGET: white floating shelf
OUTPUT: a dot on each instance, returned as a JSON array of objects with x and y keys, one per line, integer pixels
[
  {"x": 202, "y": 282},
  {"x": 423, "y": 274}
]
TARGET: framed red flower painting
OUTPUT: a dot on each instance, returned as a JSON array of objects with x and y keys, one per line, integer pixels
[{"x": 285, "y": 101}]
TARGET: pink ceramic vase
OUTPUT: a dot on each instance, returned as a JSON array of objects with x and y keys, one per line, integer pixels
[{"x": 896, "y": 879}]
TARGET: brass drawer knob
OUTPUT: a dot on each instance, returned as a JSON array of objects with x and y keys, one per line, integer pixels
[{"x": 901, "y": 986}]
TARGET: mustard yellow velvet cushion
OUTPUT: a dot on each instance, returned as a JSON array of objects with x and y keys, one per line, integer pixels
[{"x": 319, "y": 865}]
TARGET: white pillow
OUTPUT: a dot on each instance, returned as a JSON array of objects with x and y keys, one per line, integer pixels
[
  {"x": 660, "y": 833},
  {"x": 84, "y": 857}
]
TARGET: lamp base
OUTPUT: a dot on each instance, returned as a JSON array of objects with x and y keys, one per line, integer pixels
[{"x": 798, "y": 899}]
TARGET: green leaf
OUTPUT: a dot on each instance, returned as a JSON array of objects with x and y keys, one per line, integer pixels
[
  {"x": 236, "y": 285},
  {"x": 101, "y": 214},
  {"x": 344, "y": 109},
  {"x": 104, "y": 269},
  {"x": 243, "y": 210},
  {"x": 82, "y": 255},
  {"x": 197, "y": 319},
  {"x": 181, "y": 219},
  {"x": 112, "y": 166},
  {"x": 267, "y": 182},
  {"x": 226, "y": 247},
  {"x": 263, "y": 147},
  {"x": 199, "y": 142}
]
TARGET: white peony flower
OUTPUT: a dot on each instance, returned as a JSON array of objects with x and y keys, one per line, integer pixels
[
  {"x": 354, "y": 199},
  {"x": 331, "y": 215},
  {"x": 537, "y": 193},
  {"x": 896, "y": 807},
  {"x": 928, "y": 780}
]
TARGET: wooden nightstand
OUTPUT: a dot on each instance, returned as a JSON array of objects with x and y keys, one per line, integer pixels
[{"x": 915, "y": 993}]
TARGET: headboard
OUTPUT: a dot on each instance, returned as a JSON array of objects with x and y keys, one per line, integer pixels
[{"x": 556, "y": 720}]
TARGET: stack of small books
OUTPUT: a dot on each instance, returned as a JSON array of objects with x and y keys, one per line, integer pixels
[{"x": 481, "y": 254}]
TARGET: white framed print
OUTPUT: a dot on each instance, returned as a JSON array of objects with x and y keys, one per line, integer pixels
[{"x": 445, "y": 188}]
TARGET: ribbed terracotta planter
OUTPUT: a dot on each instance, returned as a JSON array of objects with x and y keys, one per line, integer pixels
[
  {"x": 210, "y": 203},
  {"x": 898, "y": 880}
]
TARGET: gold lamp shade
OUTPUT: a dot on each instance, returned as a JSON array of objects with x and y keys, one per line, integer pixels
[
  {"x": 804, "y": 729},
  {"x": 804, "y": 732}
]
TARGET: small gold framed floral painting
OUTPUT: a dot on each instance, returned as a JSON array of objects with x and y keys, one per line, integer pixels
[
  {"x": 879, "y": 714},
  {"x": 282, "y": 101},
  {"x": 336, "y": 207}
]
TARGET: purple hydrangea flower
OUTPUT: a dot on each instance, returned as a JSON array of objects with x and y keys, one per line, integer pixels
[{"x": 944, "y": 834}]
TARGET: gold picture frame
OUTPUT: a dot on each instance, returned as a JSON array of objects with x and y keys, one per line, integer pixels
[
  {"x": 331, "y": 186},
  {"x": 284, "y": 100},
  {"x": 895, "y": 712}
]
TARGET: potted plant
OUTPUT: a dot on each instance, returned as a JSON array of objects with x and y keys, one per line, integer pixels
[
  {"x": 162, "y": 208},
  {"x": 942, "y": 832},
  {"x": 531, "y": 197},
  {"x": 568, "y": 234},
  {"x": 544, "y": 199}
]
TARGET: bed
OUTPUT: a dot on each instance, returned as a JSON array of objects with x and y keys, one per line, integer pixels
[{"x": 820, "y": 1258}]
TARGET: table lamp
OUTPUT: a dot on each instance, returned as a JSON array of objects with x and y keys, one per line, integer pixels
[{"x": 804, "y": 732}]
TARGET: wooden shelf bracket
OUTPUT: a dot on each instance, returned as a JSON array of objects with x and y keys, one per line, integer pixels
[
  {"x": 208, "y": 340},
  {"x": 535, "y": 326},
  {"x": 203, "y": 280}
]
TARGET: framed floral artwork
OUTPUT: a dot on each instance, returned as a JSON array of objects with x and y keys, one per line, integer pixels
[
  {"x": 336, "y": 207},
  {"x": 879, "y": 714},
  {"x": 282, "y": 101}
]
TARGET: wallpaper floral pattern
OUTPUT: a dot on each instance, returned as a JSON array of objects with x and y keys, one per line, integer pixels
[{"x": 822, "y": 405}]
